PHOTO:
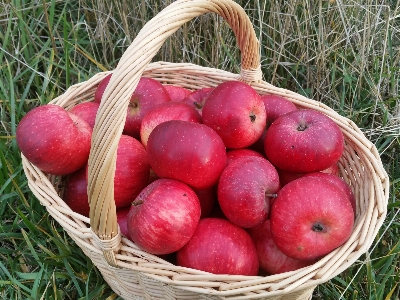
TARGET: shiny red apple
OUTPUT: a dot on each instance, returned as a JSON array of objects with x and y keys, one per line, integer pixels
[
  {"x": 54, "y": 140},
  {"x": 310, "y": 218},
  {"x": 303, "y": 141},
  {"x": 245, "y": 189},
  {"x": 164, "y": 216},
  {"x": 219, "y": 247},
  {"x": 236, "y": 112},
  {"x": 190, "y": 152}
]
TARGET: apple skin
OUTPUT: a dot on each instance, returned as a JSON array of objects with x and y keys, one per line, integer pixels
[
  {"x": 101, "y": 88},
  {"x": 310, "y": 218},
  {"x": 243, "y": 190},
  {"x": 164, "y": 216},
  {"x": 233, "y": 154},
  {"x": 271, "y": 259},
  {"x": 236, "y": 112},
  {"x": 197, "y": 98},
  {"x": 122, "y": 220},
  {"x": 149, "y": 94},
  {"x": 54, "y": 140},
  {"x": 87, "y": 111},
  {"x": 166, "y": 112},
  {"x": 286, "y": 176},
  {"x": 190, "y": 152},
  {"x": 132, "y": 171},
  {"x": 75, "y": 192},
  {"x": 339, "y": 182},
  {"x": 219, "y": 247},
  {"x": 207, "y": 198},
  {"x": 177, "y": 93},
  {"x": 276, "y": 106},
  {"x": 303, "y": 141}
]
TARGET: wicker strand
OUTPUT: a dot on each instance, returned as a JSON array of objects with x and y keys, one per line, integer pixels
[
  {"x": 252, "y": 75},
  {"x": 108, "y": 246}
]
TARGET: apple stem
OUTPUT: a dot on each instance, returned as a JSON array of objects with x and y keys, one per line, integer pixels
[
  {"x": 252, "y": 118},
  {"x": 318, "y": 227},
  {"x": 271, "y": 195},
  {"x": 137, "y": 202},
  {"x": 198, "y": 105},
  {"x": 302, "y": 126}
]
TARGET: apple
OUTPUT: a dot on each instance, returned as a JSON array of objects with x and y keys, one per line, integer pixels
[
  {"x": 303, "y": 141},
  {"x": 275, "y": 106},
  {"x": 166, "y": 112},
  {"x": 236, "y": 112},
  {"x": 75, "y": 192},
  {"x": 310, "y": 218},
  {"x": 54, "y": 140},
  {"x": 177, "y": 93},
  {"x": 149, "y": 94},
  {"x": 219, "y": 247},
  {"x": 87, "y": 111},
  {"x": 101, "y": 88},
  {"x": 286, "y": 176},
  {"x": 190, "y": 152},
  {"x": 233, "y": 154},
  {"x": 340, "y": 183},
  {"x": 164, "y": 216},
  {"x": 245, "y": 189},
  {"x": 271, "y": 259},
  {"x": 122, "y": 220},
  {"x": 197, "y": 98},
  {"x": 207, "y": 198},
  {"x": 132, "y": 171}
]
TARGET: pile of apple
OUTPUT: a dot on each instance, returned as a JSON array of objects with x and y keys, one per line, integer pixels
[{"x": 218, "y": 179}]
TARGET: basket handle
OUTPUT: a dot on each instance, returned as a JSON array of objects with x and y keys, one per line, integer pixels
[{"x": 112, "y": 111}]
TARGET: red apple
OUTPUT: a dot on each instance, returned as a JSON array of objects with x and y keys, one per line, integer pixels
[
  {"x": 122, "y": 220},
  {"x": 101, "y": 88},
  {"x": 233, "y": 154},
  {"x": 166, "y": 112},
  {"x": 207, "y": 198},
  {"x": 190, "y": 152},
  {"x": 54, "y": 140},
  {"x": 87, "y": 111},
  {"x": 164, "y": 216},
  {"x": 303, "y": 141},
  {"x": 245, "y": 189},
  {"x": 149, "y": 94},
  {"x": 236, "y": 112},
  {"x": 177, "y": 93},
  {"x": 286, "y": 176},
  {"x": 131, "y": 172},
  {"x": 276, "y": 106},
  {"x": 271, "y": 259},
  {"x": 310, "y": 218},
  {"x": 219, "y": 247},
  {"x": 75, "y": 192},
  {"x": 340, "y": 183},
  {"x": 197, "y": 98}
]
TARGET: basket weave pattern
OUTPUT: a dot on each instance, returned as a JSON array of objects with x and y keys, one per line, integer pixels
[{"x": 135, "y": 274}]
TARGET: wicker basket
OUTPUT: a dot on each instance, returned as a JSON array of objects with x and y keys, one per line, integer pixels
[{"x": 135, "y": 274}]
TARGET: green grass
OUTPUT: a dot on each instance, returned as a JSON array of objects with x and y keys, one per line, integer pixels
[{"x": 341, "y": 53}]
